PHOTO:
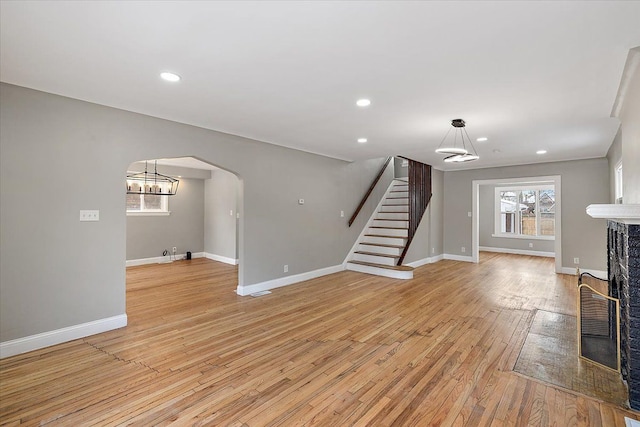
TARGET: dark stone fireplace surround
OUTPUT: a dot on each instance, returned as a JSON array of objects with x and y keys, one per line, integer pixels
[
  {"x": 623, "y": 265},
  {"x": 623, "y": 246}
]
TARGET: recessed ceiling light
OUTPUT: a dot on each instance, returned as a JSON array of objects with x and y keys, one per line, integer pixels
[
  {"x": 363, "y": 102},
  {"x": 170, "y": 77},
  {"x": 541, "y": 152},
  {"x": 362, "y": 140},
  {"x": 482, "y": 139}
]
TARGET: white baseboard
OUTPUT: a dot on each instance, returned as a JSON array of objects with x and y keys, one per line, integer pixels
[
  {"x": 221, "y": 258},
  {"x": 161, "y": 259},
  {"x": 517, "y": 251},
  {"x": 458, "y": 257},
  {"x": 424, "y": 261},
  {"x": 70, "y": 333},
  {"x": 598, "y": 273},
  {"x": 288, "y": 280}
]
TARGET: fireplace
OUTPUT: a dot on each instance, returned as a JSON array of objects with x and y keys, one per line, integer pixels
[
  {"x": 624, "y": 283},
  {"x": 623, "y": 248}
]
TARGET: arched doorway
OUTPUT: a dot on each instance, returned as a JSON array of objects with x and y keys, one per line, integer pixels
[{"x": 202, "y": 219}]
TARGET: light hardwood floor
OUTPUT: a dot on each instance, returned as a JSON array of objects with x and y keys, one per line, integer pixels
[{"x": 345, "y": 349}]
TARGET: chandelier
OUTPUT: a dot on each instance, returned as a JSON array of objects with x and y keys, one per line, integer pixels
[
  {"x": 456, "y": 146},
  {"x": 151, "y": 183}
]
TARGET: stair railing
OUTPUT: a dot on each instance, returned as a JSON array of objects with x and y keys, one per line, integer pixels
[
  {"x": 368, "y": 193},
  {"x": 419, "y": 197}
]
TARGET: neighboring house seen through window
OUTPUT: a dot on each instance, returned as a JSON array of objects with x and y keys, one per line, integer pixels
[
  {"x": 525, "y": 212},
  {"x": 147, "y": 204}
]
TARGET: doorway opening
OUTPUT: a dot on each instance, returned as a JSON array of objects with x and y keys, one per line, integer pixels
[
  {"x": 202, "y": 220},
  {"x": 535, "y": 201}
]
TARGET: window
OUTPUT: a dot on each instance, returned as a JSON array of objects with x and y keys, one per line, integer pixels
[
  {"x": 525, "y": 212},
  {"x": 147, "y": 204},
  {"x": 618, "y": 182}
]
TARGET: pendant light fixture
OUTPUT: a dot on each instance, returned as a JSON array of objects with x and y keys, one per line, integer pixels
[
  {"x": 456, "y": 146},
  {"x": 151, "y": 183}
]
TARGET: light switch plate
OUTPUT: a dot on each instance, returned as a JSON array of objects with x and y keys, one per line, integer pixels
[{"x": 89, "y": 215}]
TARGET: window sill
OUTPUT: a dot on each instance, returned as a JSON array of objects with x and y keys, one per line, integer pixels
[
  {"x": 149, "y": 213},
  {"x": 523, "y": 237}
]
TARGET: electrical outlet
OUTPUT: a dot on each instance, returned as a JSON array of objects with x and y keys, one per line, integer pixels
[
  {"x": 576, "y": 260},
  {"x": 341, "y": 214},
  {"x": 175, "y": 249},
  {"x": 433, "y": 250},
  {"x": 286, "y": 268},
  {"x": 463, "y": 250},
  {"x": 231, "y": 212},
  {"x": 530, "y": 245},
  {"x": 469, "y": 214}
]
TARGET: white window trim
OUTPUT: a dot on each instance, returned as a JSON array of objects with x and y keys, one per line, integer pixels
[
  {"x": 148, "y": 213},
  {"x": 498, "y": 210},
  {"x": 617, "y": 178},
  {"x": 522, "y": 236}
]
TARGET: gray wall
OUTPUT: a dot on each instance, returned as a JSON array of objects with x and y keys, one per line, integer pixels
[
  {"x": 428, "y": 239},
  {"x": 487, "y": 227},
  {"x": 220, "y": 208},
  {"x": 583, "y": 182},
  {"x": 148, "y": 236},
  {"x": 400, "y": 172},
  {"x": 630, "y": 118},
  {"x": 56, "y": 271}
]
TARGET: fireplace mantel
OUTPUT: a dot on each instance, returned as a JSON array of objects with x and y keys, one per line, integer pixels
[{"x": 628, "y": 214}]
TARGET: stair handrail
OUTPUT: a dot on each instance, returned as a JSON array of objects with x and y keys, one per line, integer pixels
[
  {"x": 366, "y": 196},
  {"x": 419, "y": 197}
]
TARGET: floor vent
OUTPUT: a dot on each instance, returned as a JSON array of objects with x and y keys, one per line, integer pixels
[{"x": 259, "y": 294}]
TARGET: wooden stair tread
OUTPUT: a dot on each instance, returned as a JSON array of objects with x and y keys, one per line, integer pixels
[
  {"x": 393, "y": 219},
  {"x": 388, "y": 267},
  {"x": 382, "y": 245},
  {"x": 390, "y": 228},
  {"x": 384, "y": 235},
  {"x": 376, "y": 254}
]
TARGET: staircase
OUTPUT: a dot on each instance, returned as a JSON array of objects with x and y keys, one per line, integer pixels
[{"x": 383, "y": 243}]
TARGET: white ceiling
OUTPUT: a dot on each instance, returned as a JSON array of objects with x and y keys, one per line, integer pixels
[{"x": 527, "y": 75}]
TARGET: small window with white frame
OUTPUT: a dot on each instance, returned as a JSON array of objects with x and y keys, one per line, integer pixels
[
  {"x": 526, "y": 212},
  {"x": 618, "y": 182},
  {"x": 147, "y": 204}
]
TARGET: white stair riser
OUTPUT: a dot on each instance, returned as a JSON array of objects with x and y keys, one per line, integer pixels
[
  {"x": 379, "y": 249},
  {"x": 394, "y": 274},
  {"x": 399, "y": 193},
  {"x": 398, "y": 241},
  {"x": 389, "y": 232},
  {"x": 387, "y": 223},
  {"x": 395, "y": 208},
  {"x": 393, "y": 215},
  {"x": 382, "y": 260}
]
